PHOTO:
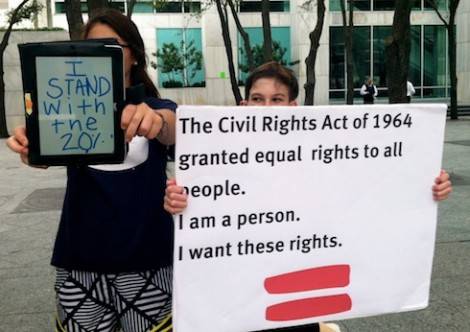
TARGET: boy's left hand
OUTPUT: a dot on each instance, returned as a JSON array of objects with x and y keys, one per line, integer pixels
[
  {"x": 140, "y": 120},
  {"x": 176, "y": 199},
  {"x": 442, "y": 187}
]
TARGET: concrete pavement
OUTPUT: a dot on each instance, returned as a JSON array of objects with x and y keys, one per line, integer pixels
[{"x": 30, "y": 201}]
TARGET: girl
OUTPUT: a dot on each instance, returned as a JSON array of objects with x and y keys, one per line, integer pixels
[{"x": 113, "y": 250}]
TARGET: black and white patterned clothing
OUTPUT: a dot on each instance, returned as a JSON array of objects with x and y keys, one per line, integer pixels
[{"x": 110, "y": 302}]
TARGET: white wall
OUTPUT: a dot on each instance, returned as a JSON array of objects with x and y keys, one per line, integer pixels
[{"x": 218, "y": 90}]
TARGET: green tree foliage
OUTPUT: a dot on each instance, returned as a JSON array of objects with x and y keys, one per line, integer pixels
[
  {"x": 278, "y": 55},
  {"x": 26, "y": 12},
  {"x": 185, "y": 61},
  {"x": 170, "y": 62},
  {"x": 192, "y": 59}
]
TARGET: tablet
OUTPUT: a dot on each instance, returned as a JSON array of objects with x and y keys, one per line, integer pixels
[{"x": 73, "y": 97}]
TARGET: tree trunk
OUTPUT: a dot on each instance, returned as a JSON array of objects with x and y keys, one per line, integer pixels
[
  {"x": 49, "y": 14},
  {"x": 452, "y": 69},
  {"x": 311, "y": 59},
  {"x": 453, "y": 5},
  {"x": 348, "y": 32},
  {"x": 94, "y": 5},
  {"x": 245, "y": 37},
  {"x": 267, "y": 39},
  {"x": 3, "y": 116},
  {"x": 397, "y": 53},
  {"x": 130, "y": 7},
  {"x": 228, "y": 50},
  {"x": 74, "y": 18},
  {"x": 349, "y": 58},
  {"x": 3, "y": 46},
  {"x": 451, "y": 52}
]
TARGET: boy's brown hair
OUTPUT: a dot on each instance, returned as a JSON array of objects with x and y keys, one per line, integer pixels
[{"x": 276, "y": 71}]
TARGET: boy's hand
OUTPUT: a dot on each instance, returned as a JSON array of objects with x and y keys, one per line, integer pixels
[
  {"x": 140, "y": 120},
  {"x": 442, "y": 187},
  {"x": 176, "y": 199},
  {"x": 19, "y": 143}
]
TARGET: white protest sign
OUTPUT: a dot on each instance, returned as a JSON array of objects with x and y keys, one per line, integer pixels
[{"x": 304, "y": 214}]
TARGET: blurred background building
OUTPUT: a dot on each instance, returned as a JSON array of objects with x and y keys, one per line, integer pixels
[{"x": 185, "y": 46}]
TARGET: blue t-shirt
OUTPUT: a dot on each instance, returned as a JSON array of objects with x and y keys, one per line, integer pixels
[{"x": 114, "y": 221}]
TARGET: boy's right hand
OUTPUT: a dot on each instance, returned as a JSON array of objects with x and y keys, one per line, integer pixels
[
  {"x": 176, "y": 199},
  {"x": 19, "y": 143}
]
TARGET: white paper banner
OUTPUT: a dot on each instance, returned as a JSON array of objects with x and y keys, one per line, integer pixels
[{"x": 304, "y": 214}]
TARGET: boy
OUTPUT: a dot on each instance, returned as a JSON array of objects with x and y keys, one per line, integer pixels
[{"x": 271, "y": 84}]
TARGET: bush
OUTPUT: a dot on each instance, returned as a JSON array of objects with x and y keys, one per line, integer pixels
[
  {"x": 200, "y": 84},
  {"x": 172, "y": 84}
]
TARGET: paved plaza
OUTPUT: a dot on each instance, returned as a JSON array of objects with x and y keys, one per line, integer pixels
[{"x": 30, "y": 201}]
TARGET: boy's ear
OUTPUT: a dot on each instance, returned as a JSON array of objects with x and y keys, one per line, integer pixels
[
  {"x": 244, "y": 102},
  {"x": 293, "y": 103}
]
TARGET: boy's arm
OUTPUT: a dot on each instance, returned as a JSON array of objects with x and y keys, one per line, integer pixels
[
  {"x": 176, "y": 199},
  {"x": 442, "y": 187}
]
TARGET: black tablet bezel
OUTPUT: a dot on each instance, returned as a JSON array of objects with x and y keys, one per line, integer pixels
[{"x": 89, "y": 48}]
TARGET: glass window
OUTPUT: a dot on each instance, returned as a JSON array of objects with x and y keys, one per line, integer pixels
[
  {"x": 428, "y": 60},
  {"x": 143, "y": 7},
  {"x": 384, "y": 4},
  {"x": 119, "y": 5},
  {"x": 337, "y": 59},
  {"x": 168, "y": 7},
  {"x": 361, "y": 55},
  {"x": 441, "y": 4},
  {"x": 381, "y": 36},
  {"x": 281, "y": 48},
  {"x": 192, "y": 6},
  {"x": 414, "y": 75},
  {"x": 363, "y": 5},
  {"x": 179, "y": 58},
  {"x": 176, "y": 6},
  {"x": 255, "y": 6},
  {"x": 416, "y": 4},
  {"x": 149, "y": 6},
  {"x": 60, "y": 7},
  {"x": 335, "y": 5},
  {"x": 435, "y": 60}
]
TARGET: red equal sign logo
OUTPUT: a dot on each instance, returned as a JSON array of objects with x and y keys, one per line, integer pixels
[{"x": 317, "y": 278}]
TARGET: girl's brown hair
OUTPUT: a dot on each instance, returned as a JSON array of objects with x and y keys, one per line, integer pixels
[{"x": 128, "y": 31}]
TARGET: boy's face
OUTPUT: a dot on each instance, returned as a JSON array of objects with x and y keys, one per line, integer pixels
[{"x": 268, "y": 92}]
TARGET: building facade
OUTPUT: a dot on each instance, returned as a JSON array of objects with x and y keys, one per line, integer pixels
[{"x": 191, "y": 66}]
